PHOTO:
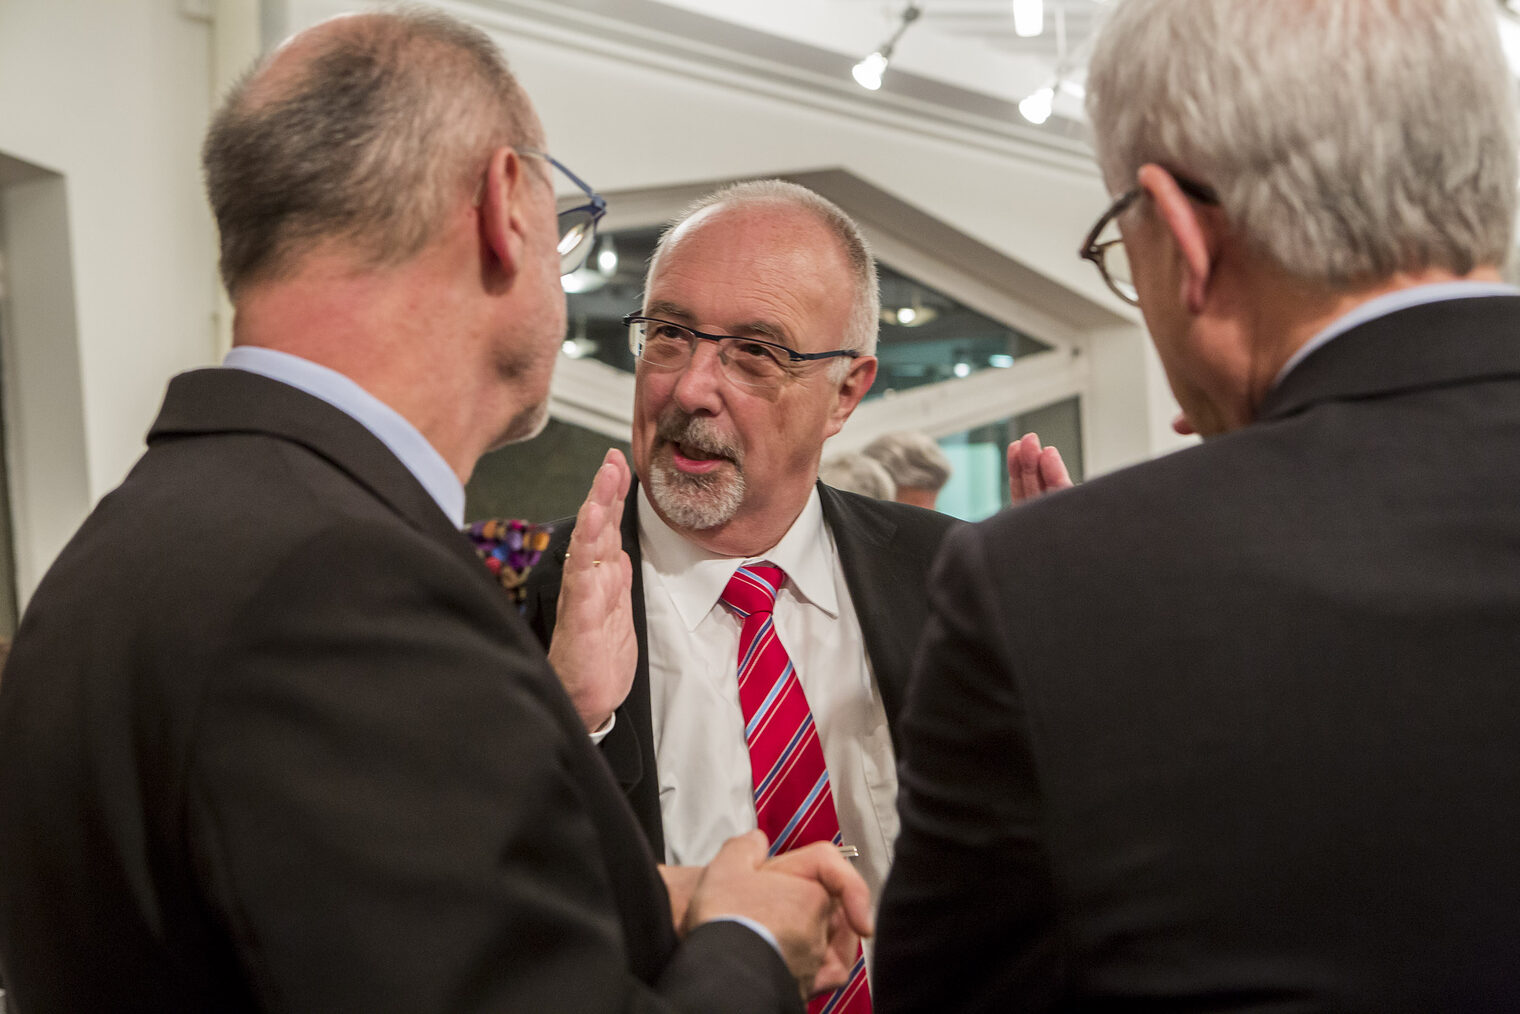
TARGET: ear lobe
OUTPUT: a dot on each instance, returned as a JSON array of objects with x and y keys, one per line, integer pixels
[
  {"x": 853, "y": 388},
  {"x": 1193, "y": 233},
  {"x": 502, "y": 221}
]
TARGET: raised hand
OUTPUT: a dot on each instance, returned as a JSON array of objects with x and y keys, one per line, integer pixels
[
  {"x": 1034, "y": 471},
  {"x": 594, "y": 649}
]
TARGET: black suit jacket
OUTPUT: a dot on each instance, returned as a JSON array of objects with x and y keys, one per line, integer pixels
[
  {"x": 885, "y": 550},
  {"x": 1238, "y": 729},
  {"x": 270, "y": 738}
]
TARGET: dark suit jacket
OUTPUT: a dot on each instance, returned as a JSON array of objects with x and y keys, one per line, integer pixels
[
  {"x": 885, "y": 550},
  {"x": 1238, "y": 729},
  {"x": 271, "y": 739}
]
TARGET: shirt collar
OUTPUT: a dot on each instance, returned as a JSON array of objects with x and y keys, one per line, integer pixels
[
  {"x": 1389, "y": 302},
  {"x": 695, "y": 578},
  {"x": 390, "y": 427}
]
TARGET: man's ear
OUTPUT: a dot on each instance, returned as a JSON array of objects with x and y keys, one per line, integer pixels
[
  {"x": 503, "y": 221},
  {"x": 853, "y": 388},
  {"x": 1194, "y": 231}
]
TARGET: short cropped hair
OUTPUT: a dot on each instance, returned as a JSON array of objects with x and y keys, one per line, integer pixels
[
  {"x": 912, "y": 459},
  {"x": 865, "y": 315},
  {"x": 366, "y": 143},
  {"x": 1347, "y": 140},
  {"x": 857, "y": 473}
]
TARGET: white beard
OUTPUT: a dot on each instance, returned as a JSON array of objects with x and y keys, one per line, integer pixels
[{"x": 697, "y": 502}]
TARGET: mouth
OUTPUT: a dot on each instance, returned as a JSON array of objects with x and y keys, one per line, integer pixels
[
  {"x": 693, "y": 459},
  {"x": 696, "y": 447}
]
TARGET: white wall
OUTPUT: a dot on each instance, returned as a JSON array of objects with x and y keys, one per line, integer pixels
[{"x": 114, "y": 96}]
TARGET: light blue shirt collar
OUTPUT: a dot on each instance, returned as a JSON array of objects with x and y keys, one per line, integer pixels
[
  {"x": 405, "y": 441},
  {"x": 1401, "y": 299}
]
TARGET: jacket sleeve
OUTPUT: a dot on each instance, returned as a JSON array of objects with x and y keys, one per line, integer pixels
[{"x": 392, "y": 807}]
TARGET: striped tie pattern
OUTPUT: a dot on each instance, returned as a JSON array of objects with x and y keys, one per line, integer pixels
[{"x": 794, "y": 804}]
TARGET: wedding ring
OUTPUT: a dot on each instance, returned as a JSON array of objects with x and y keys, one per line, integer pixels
[{"x": 596, "y": 563}]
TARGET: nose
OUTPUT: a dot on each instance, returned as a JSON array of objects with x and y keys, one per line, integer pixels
[{"x": 698, "y": 388}]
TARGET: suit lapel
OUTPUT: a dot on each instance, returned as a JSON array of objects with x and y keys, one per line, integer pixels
[
  {"x": 646, "y": 796},
  {"x": 882, "y": 587}
]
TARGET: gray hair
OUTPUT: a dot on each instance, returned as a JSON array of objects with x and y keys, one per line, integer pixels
[
  {"x": 856, "y": 473},
  {"x": 865, "y": 316},
  {"x": 912, "y": 459},
  {"x": 1346, "y": 140},
  {"x": 366, "y": 141}
]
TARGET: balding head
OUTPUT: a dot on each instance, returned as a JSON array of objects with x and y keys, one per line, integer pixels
[
  {"x": 864, "y": 291},
  {"x": 360, "y": 131}
]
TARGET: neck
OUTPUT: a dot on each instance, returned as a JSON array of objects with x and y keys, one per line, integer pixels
[
  {"x": 394, "y": 332},
  {"x": 1273, "y": 315}
]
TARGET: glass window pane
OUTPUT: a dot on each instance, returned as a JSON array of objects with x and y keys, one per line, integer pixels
[{"x": 927, "y": 337}]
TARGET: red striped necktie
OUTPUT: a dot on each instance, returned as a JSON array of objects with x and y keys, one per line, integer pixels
[{"x": 794, "y": 804}]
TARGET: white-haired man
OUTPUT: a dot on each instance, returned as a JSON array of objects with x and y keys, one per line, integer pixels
[
  {"x": 271, "y": 738},
  {"x": 1239, "y": 729},
  {"x": 755, "y": 344},
  {"x": 916, "y": 464}
]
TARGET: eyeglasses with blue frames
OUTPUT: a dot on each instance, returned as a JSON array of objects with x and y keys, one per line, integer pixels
[
  {"x": 577, "y": 225},
  {"x": 1110, "y": 257},
  {"x": 663, "y": 345}
]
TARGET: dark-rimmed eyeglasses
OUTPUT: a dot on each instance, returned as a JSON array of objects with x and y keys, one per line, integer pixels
[
  {"x": 1110, "y": 256},
  {"x": 664, "y": 345},
  {"x": 577, "y": 225}
]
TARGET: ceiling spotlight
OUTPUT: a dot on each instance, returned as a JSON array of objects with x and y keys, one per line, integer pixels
[
  {"x": 606, "y": 257},
  {"x": 914, "y": 314},
  {"x": 1028, "y": 18},
  {"x": 868, "y": 72},
  {"x": 1036, "y": 108}
]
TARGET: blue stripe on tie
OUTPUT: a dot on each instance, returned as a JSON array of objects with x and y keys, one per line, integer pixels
[
  {"x": 754, "y": 646},
  {"x": 838, "y": 994},
  {"x": 807, "y": 804},
  {"x": 791, "y": 748},
  {"x": 765, "y": 705},
  {"x": 769, "y": 588}
]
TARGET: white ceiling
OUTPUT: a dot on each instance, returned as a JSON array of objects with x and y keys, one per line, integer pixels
[{"x": 967, "y": 44}]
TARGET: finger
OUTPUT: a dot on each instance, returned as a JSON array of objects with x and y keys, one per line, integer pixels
[
  {"x": 748, "y": 849},
  {"x": 822, "y": 862},
  {"x": 614, "y": 457},
  {"x": 1027, "y": 474},
  {"x": 1053, "y": 474},
  {"x": 839, "y": 952}
]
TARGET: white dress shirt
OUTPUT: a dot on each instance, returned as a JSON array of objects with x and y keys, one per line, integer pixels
[{"x": 706, "y": 788}]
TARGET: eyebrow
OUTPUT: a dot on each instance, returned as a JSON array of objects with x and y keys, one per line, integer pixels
[{"x": 754, "y": 329}]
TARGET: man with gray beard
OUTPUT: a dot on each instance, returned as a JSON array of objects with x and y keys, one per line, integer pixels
[{"x": 755, "y": 344}]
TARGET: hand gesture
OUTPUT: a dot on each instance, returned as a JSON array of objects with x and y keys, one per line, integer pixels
[
  {"x": 1033, "y": 471},
  {"x": 594, "y": 649}
]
